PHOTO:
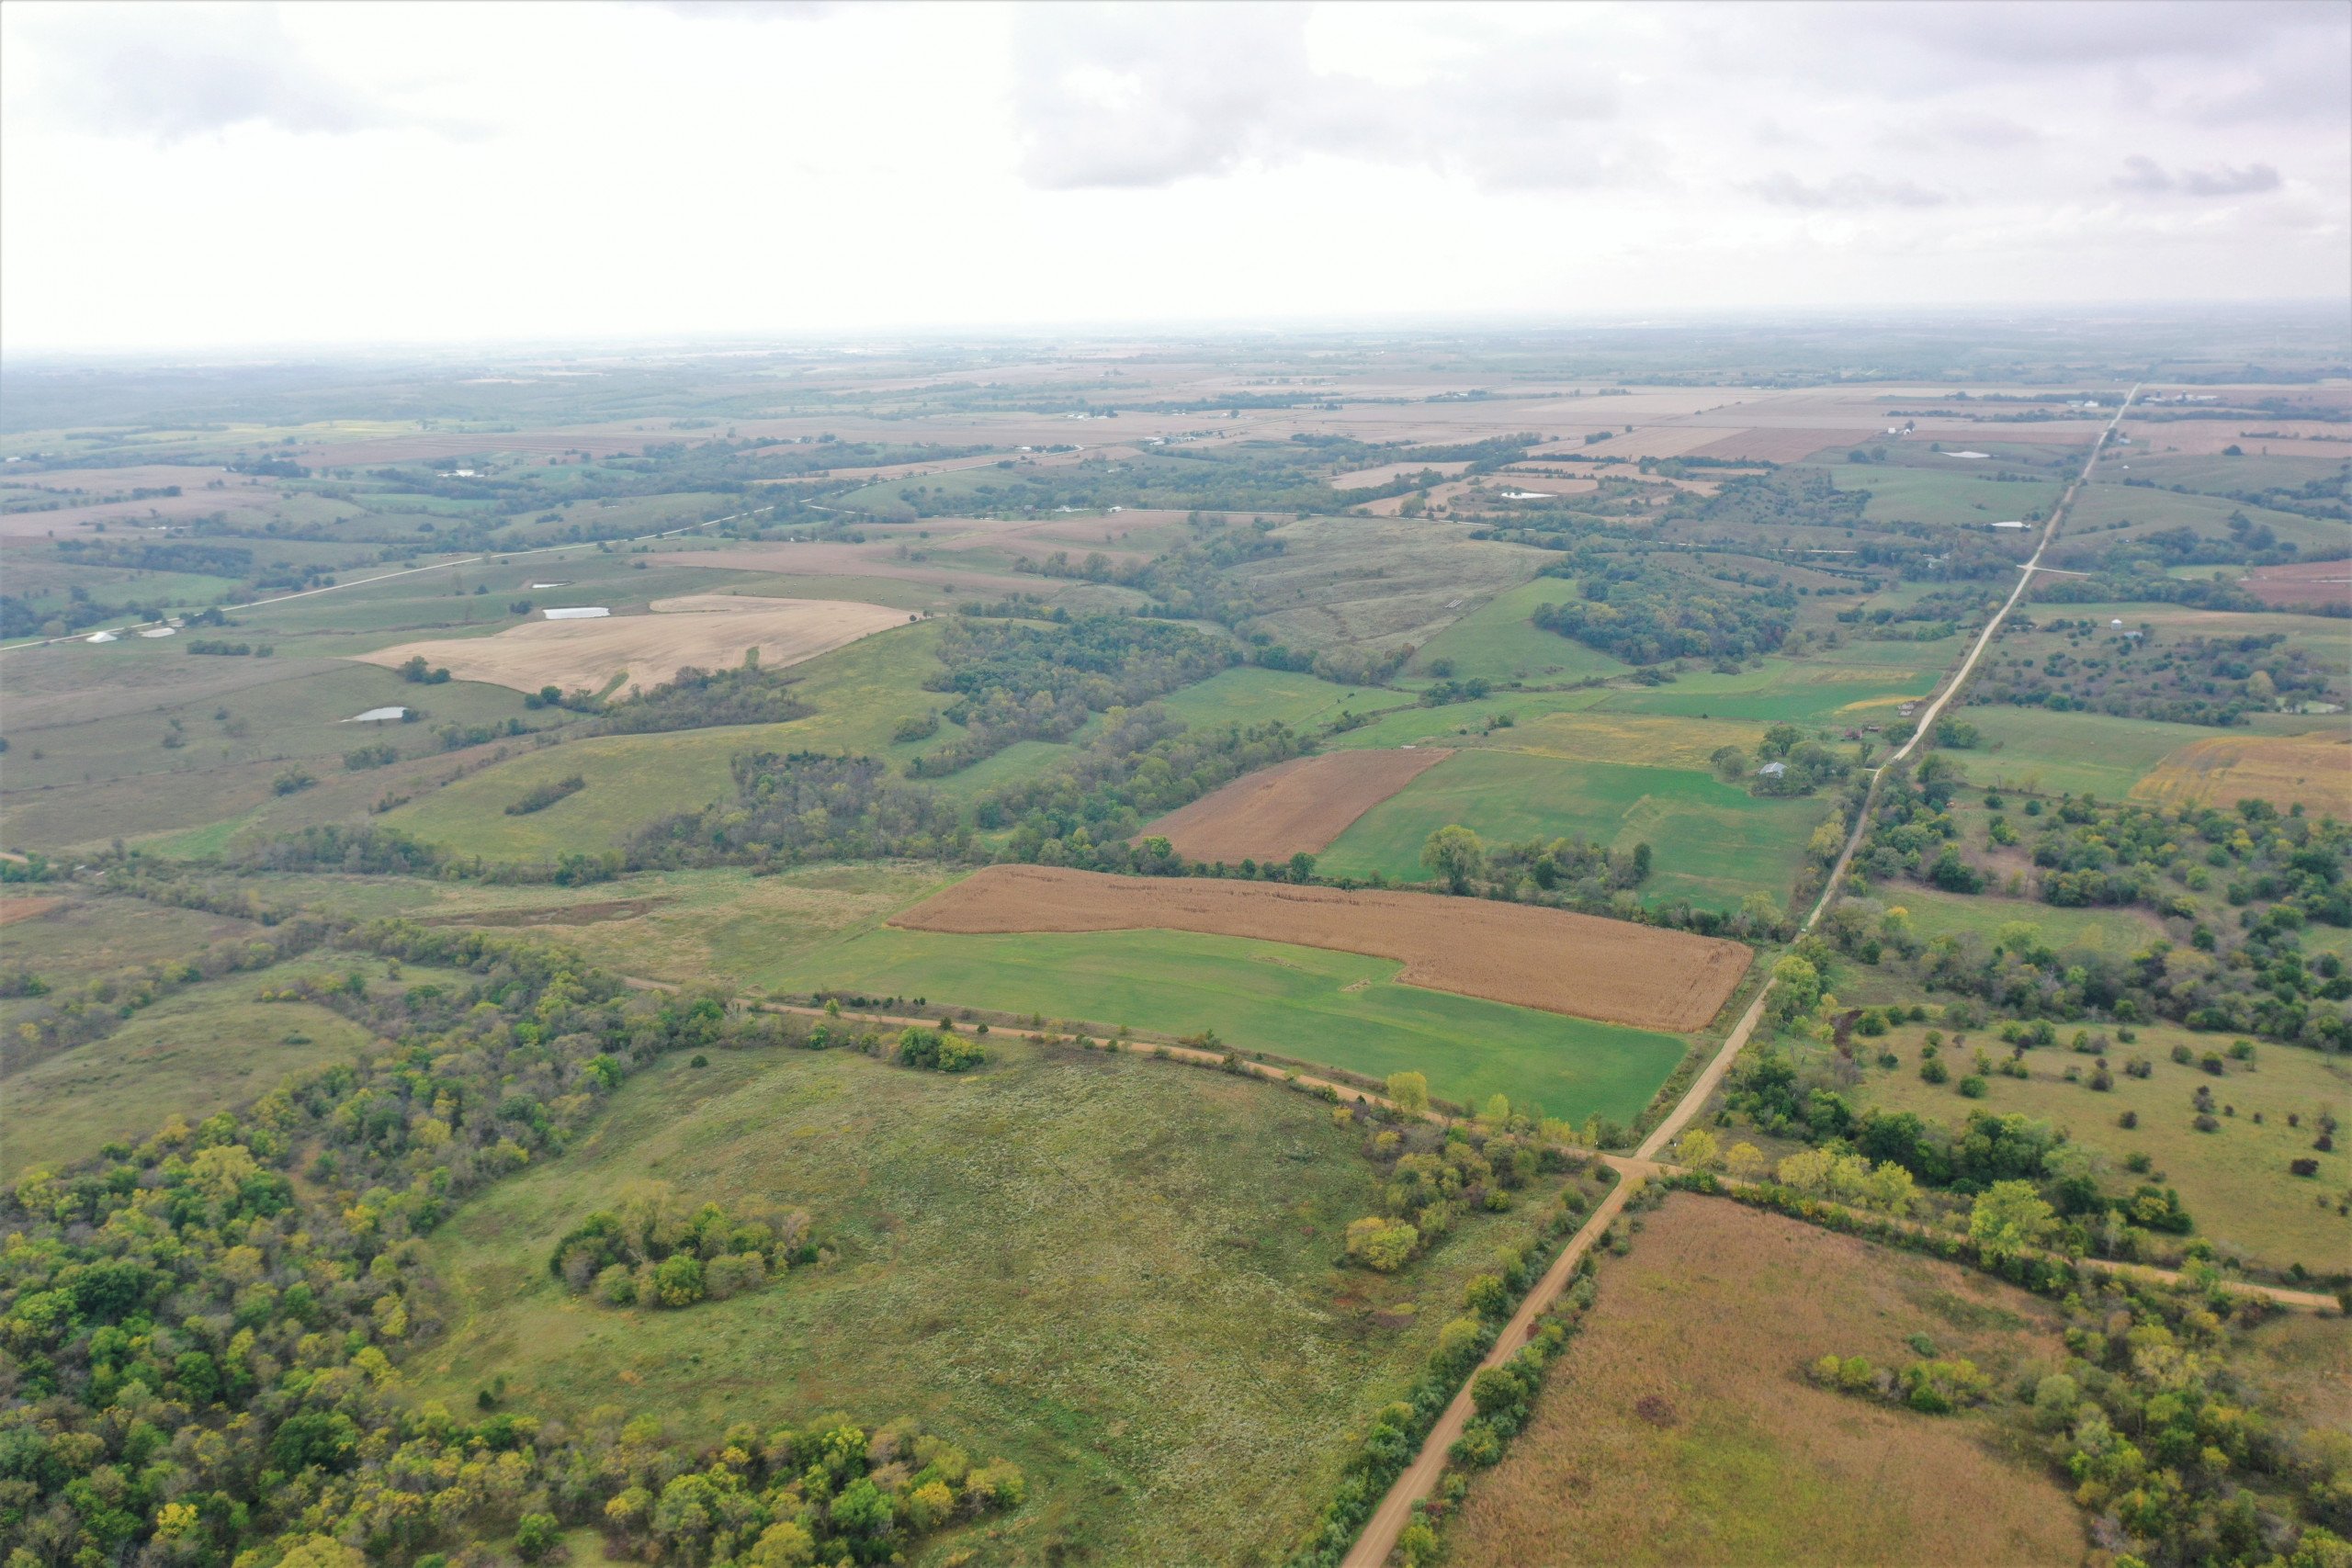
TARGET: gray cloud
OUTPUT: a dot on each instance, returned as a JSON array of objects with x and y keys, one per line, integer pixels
[
  {"x": 1110, "y": 96},
  {"x": 1846, "y": 191},
  {"x": 2142, "y": 175},
  {"x": 170, "y": 72}
]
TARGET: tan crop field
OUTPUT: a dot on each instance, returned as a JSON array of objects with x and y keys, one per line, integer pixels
[
  {"x": 2313, "y": 770},
  {"x": 1301, "y": 805},
  {"x": 1387, "y": 473},
  {"x": 710, "y": 630},
  {"x": 1519, "y": 953},
  {"x": 1782, "y": 446},
  {"x": 1679, "y": 1427}
]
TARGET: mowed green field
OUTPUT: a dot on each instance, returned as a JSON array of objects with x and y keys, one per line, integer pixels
[
  {"x": 1247, "y": 695},
  {"x": 1116, "y": 1272},
  {"x": 1963, "y": 495},
  {"x": 1712, "y": 843},
  {"x": 2042, "y": 752},
  {"x": 2233, "y": 1182},
  {"x": 1343, "y": 1010},
  {"x": 1849, "y": 686},
  {"x": 2107, "y": 511},
  {"x": 1499, "y": 642},
  {"x": 210, "y": 1048},
  {"x": 2116, "y": 932}
]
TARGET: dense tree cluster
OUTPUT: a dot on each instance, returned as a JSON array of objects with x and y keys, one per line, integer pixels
[
  {"x": 654, "y": 1251},
  {"x": 2136, "y": 674},
  {"x": 1018, "y": 681},
  {"x": 1645, "y": 614},
  {"x": 695, "y": 698},
  {"x": 805, "y": 805},
  {"x": 203, "y": 1355}
]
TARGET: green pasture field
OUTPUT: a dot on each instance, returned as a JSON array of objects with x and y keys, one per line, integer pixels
[
  {"x": 1308, "y": 1004},
  {"x": 2216, "y": 475},
  {"x": 2105, "y": 512},
  {"x": 45, "y": 584},
  {"x": 1499, "y": 642},
  {"x": 2041, "y": 752},
  {"x": 1956, "y": 494},
  {"x": 1448, "y": 725},
  {"x": 1118, "y": 1273},
  {"x": 861, "y": 692},
  {"x": 2322, "y": 636},
  {"x": 83, "y": 936},
  {"x": 2235, "y": 1182},
  {"x": 1377, "y": 583},
  {"x": 1712, "y": 843},
  {"x": 1247, "y": 695},
  {"x": 210, "y": 1048},
  {"x": 2112, "y": 932},
  {"x": 1853, "y": 684}
]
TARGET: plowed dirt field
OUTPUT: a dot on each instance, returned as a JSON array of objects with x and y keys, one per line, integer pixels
[
  {"x": 1301, "y": 805},
  {"x": 1519, "y": 953}
]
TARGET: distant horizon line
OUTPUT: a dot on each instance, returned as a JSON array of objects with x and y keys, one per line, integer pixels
[{"x": 2092, "y": 312}]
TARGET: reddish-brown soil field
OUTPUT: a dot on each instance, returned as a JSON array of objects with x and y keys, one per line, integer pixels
[
  {"x": 2304, "y": 582},
  {"x": 1301, "y": 805},
  {"x": 14, "y": 910},
  {"x": 1519, "y": 953},
  {"x": 1680, "y": 1428}
]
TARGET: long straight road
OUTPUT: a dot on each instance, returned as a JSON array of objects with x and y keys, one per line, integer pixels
[{"x": 1396, "y": 1510}]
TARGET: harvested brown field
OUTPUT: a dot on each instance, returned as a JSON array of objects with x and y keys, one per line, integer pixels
[
  {"x": 2314, "y": 771},
  {"x": 1519, "y": 953},
  {"x": 1679, "y": 1427},
  {"x": 705, "y": 630},
  {"x": 1388, "y": 473},
  {"x": 1782, "y": 446},
  {"x": 2304, "y": 582},
  {"x": 14, "y": 910},
  {"x": 1301, "y": 805}
]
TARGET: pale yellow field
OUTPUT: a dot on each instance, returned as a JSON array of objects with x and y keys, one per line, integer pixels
[
  {"x": 2315, "y": 769},
  {"x": 707, "y": 630}
]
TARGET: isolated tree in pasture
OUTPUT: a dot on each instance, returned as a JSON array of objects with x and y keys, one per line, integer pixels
[{"x": 1455, "y": 853}]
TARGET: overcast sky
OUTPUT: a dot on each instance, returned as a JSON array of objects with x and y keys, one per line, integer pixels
[{"x": 187, "y": 174}]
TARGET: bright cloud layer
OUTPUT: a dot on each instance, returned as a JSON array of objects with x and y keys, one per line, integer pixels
[{"x": 201, "y": 174}]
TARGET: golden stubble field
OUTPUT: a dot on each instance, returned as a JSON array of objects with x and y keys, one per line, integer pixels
[
  {"x": 1519, "y": 953},
  {"x": 1301, "y": 805},
  {"x": 2312, "y": 770},
  {"x": 707, "y": 630},
  {"x": 1679, "y": 1427}
]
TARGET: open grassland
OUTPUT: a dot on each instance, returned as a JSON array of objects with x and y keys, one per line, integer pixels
[
  {"x": 207, "y": 1049},
  {"x": 1377, "y": 582},
  {"x": 2042, "y": 752},
  {"x": 1522, "y": 955},
  {"x": 1413, "y": 725},
  {"x": 2235, "y": 1182},
  {"x": 1958, "y": 497},
  {"x": 1712, "y": 843},
  {"x": 861, "y": 692},
  {"x": 2116, "y": 932},
  {"x": 1292, "y": 807},
  {"x": 1247, "y": 695},
  {"x": 69, "y": 936},
  {"x": 1118, "y": 1273},
  {"x": 1680, "y": 1428},
  {"x": 2107, "y": 513},
  {"x": 2311, "y": 770},
  {"x": 1499, "y": 642},
  {"x": 707, "y": 630},
  {"x": 1849, "y": 686}
]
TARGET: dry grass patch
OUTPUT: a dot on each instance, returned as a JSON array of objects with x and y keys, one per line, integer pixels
[
  {"x": 1783, "y": 445},
  {"x": 1679, "y": 1427},
  {"x": 1301, "y": 805},
  {"x": 1519, "y": 953},
  {"x": 712, "y": 630},
  {"x": 2303, "y": 583},
  {"x": 2314, "y": 771}
]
